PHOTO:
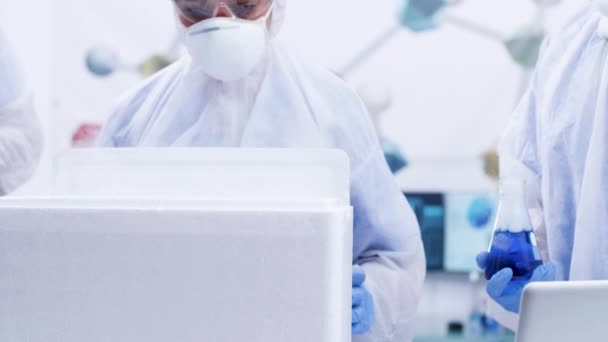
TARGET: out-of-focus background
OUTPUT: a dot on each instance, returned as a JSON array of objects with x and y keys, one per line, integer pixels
[{"x": 441, "y": 88}]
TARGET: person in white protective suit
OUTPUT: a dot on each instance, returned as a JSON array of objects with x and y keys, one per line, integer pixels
[
  {"x": 239, "y": 87},
  {"x": 20, "y": 135},
  {"x": 557, "y": 141}
]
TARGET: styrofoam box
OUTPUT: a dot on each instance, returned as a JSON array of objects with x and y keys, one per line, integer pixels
[
  {"x": 147, "y": 274},
  {"x": 205, "y": 173},
  {"x": 181, "y": 245}
]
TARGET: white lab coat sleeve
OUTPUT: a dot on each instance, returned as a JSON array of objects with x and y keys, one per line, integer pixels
[
  {"x": 395, "y": 281},
  {"x": 116, "y": 130},
  {"x": 20, "y": 134},
  {"x": 389, "y": 248},
  {"x": 20, "y": 144}
]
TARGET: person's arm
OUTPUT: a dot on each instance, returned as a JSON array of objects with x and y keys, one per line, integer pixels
[
  {"x": 20, "y": 133},
  {"x": 389, "y": 248},
  {"x": 115, "y": 131},
  {"x": 20, "y": 145},
  {"x": 12, "y": 85}
]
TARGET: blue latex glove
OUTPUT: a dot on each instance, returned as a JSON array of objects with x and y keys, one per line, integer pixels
[
  {"x": 363, "y": 304},
  {"x": 506, "y": 291}
]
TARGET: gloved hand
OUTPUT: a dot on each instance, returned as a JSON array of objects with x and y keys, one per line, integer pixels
[
  {"x": 363, "y": 304},
  {"x": 506, "y": 291}
]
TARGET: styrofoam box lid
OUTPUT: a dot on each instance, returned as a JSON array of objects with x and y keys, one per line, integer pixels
[
  {"x": 46, "y": 203},
  {"x": 220, "y": 174}
]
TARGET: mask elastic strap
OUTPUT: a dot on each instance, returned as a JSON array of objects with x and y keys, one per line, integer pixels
[{"x": 268, "y": 13}]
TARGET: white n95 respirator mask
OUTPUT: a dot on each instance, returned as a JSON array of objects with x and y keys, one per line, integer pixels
[{"x": 227, "y": 49}]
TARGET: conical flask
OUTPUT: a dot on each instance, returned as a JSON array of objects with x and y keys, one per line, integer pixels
[{"x": 513, "y": 242}]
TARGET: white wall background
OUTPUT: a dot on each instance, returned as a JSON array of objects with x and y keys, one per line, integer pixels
[{"x": 453, "y": 91}]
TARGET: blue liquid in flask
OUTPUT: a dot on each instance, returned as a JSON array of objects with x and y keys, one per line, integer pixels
[
  {"x": 517, "y": 251},
  {"x": 513, "y": 243}
]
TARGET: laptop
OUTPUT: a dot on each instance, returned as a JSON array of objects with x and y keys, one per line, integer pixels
[{"x": 564, "y": 312}]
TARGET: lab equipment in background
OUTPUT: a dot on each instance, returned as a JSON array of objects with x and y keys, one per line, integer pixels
[
  {"x": 491, "y": 327},
  {"x": 475, "y": 323},
  {"x": 480, "y": 212},
  {"x": 420, "y": 15},
  {"x": 524, "y": 46},
  {"x": 430, "y": 212},
  {"x": 424, "y": 15},
  {"x": 392, "y": 153},
  {"x": 491, "y": 163},
  {"x": 378, "y": 100},
  {"x": 468, "y": 228},
  {"x": 104, "y": 61},
  {"x": 86, "y": 135},
  {"x": 455, "y": 329},
  {"x": 513, "y": 243},
  {"x": 451, "y": 241},
  {"x": 414, "y": 15},
  {"x": 480, "y": 324}
]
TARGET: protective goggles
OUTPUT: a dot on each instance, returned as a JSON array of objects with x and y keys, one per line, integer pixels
[{"x": 199, "y": 10}]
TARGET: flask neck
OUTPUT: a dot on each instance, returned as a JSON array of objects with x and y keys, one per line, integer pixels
[{"x": 513, "y": 213}]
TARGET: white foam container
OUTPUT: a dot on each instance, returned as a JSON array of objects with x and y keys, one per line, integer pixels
[
  {"x": 214, "y": 174},
  {"x": 111, "y": 263}
]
